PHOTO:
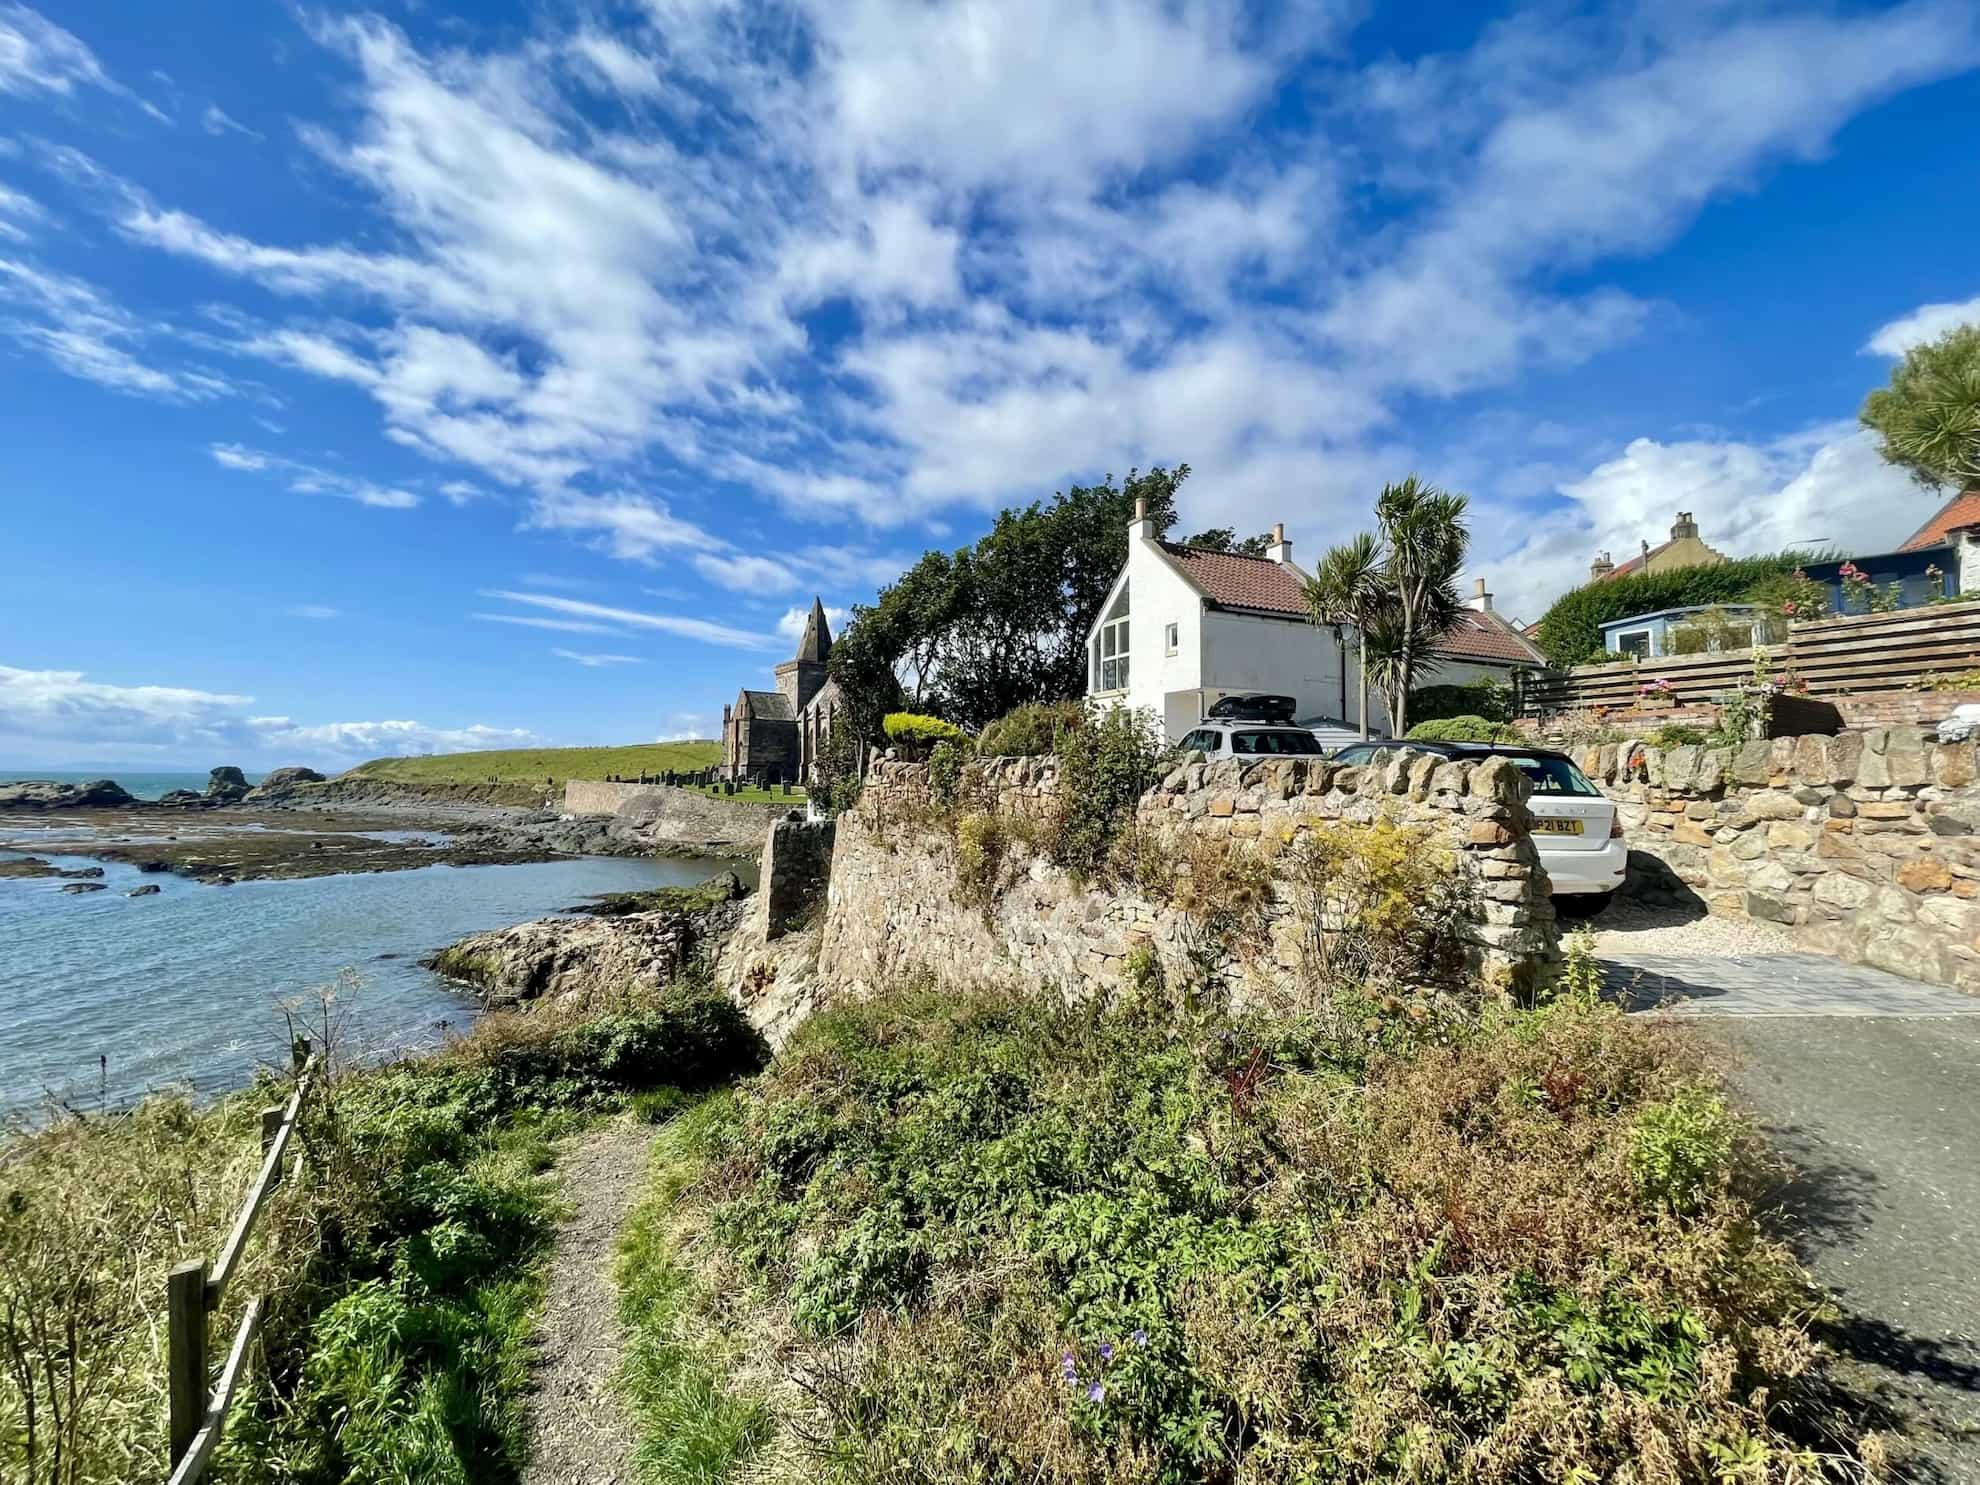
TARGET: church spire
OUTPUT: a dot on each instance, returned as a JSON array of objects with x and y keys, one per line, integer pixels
[{"x": 817, "y": 642}]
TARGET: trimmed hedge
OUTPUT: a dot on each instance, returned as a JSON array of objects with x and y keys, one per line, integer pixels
[
  {"x": 1463, "y": 729},
  {"x": 1571, "y": 631},
  {"x": 915, "y": 734},
  {"x": 1483, "y": 697}
]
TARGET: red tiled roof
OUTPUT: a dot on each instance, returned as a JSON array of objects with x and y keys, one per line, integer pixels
[
  {"x": 1960, "y": 511},
  {"x": 1490, "y": 639},
  {"x": 1233, "y": 580}
]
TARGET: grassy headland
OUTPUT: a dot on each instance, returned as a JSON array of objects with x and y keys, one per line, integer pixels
[{"x": 526, "y": 775}]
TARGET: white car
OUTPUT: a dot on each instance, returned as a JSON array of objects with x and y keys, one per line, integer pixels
[
  {"x": 1575, "y": 828},
  {"x": 1221, "y": 738}
]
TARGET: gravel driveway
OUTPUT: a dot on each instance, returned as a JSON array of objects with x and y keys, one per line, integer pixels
[{"x": 1869, "y": 1084}]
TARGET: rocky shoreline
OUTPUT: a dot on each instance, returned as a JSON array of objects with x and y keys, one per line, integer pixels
[{"x": 623, "y": 943}]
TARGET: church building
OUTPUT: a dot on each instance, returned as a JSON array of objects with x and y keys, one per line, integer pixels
[{"x": 778, "y": 737}]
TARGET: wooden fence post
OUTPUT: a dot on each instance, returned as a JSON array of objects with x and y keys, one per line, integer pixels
[
  {"x": 271, "y": 1125},
  {"x": 185, "y": 1317}
]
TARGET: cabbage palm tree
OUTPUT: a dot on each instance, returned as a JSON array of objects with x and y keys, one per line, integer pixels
[
  {"x": 1424, "y": 541},
  {"x": 1346, "y": 588},
  {"x": 1928, "y": 418},
  {"x": 1398, "y": 587}
]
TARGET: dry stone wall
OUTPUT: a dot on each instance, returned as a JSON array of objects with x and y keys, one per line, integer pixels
[
  {"x": 671, "y": 816},
  {"x": 897, "y": 901},
  {"x": 1865, "y": 844}
]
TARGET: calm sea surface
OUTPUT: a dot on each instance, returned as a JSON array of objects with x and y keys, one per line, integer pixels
[
  {"x": 181, "y": 989},
  {"x": 137, "y": 785}
]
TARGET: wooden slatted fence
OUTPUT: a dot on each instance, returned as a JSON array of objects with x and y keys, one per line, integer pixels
[
  {"x": 193, "y": 1291},
  {"x": 1835, "y": 657}
]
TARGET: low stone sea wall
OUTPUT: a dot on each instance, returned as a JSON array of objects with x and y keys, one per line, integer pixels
[
  {"x": 1866, "y": 845},
  {"x": 897, "y": 901},
  {"x": 667, "y": 814}
]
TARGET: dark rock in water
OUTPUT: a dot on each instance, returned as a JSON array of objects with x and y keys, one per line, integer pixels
[
  {"x": 82, "y": 886},
  {"x": 388, "y": 956},
  {"x": 26, "y": 866},
  {"x": 47, "y": 794},
  {"x": 149, "y": 889},
  {"x": 226, "y": 783},
  {"x": 282, "y": 780},
  {"x": 154, "y": 866},
  {"x": 82, "y": 873},
  {"x": 182, "y": 796}
]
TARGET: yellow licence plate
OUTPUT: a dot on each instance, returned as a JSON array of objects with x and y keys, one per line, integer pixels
[{"x": 1556, "y": 827}]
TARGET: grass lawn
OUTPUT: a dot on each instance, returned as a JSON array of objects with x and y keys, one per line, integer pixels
[
  {"x": 759, "y": 796},
  {"x": 533, "y": 766}
]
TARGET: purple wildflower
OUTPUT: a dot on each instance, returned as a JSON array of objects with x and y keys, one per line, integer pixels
[
  {"x": 1096, "y": 1393},
  {"x": 1140, "y": 1338},
  {"x": 1106, "y": 1350}
]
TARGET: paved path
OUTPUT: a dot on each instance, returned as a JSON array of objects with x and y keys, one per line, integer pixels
[{"x": 1869, "y": 1084}]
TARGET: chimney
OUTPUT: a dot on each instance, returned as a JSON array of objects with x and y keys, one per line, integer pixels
[
  {"x": 1600, "y": 568},
  {"x": 1480, "y": 599},
  {"x": 1141, "y": 526},
  {"x": 1684, "y": 526},
  {"x": 1280, "y": 550}
]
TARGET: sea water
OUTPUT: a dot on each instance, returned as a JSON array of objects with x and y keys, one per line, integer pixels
[{"x": 106, "y": 997}]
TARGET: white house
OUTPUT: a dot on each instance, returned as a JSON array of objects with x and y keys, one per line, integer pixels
[{"x": 1183, "y": 627}]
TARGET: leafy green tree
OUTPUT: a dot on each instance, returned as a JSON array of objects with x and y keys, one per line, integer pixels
[
  {"x": 969, "y": 636},
  {"x": 1225, "y": 539},
  {"x": 1928, "y": 419}
]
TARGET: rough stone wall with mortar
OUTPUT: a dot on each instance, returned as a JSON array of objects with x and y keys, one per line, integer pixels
[
  {"x": 686, "y": 816},
  {"x": 1866, "y": 844},
  {"x": 895, "y": 903}
]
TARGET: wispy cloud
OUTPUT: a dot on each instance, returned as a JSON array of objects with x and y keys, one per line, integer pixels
[
  {"x": 216, "y": 120},
  {"x": 82, "y": 332},
  {"x": 313, "y": 611},
  {"x": 704, "y": 630},
  {"x": 595, "y": 661},
  {"x": 38, "y": 56},
  {"x": 561, "y": 626},
  {"x": 311, "y": 479},
  {"x": 1927, "y": 322}
]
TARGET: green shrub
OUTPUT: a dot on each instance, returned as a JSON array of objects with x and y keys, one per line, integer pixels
[
  {"x": 1035, "y": 1240},
  {"x": 915, "y": 734},
  {"x": 945, "y": 771},
  {"x": 1676, "y": 735},
  {"x": 1031, "y": 730},
  {"x": 1483, "y": 697},
  {"x": 1104, "y": 769},
  {"x": 1682, "y": 1147},
  {"x": 1570, "y": 632},
  {"x": 1464, "y": 729}
]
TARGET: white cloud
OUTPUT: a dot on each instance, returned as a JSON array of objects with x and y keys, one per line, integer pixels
[
  {"x": 791, "y": 625},
  {"x": 1927, "y": 322},
  {"x": 704, "y": 630},
  {"x": 617, "y": 65},
  {"x": 76, "y": 328},
  {"x": 746, "y": 573},
  {"x": 561, "y": 626},
  {"x": 313, "y": 611},
  {"x": 310, "y": 479},
  {"x": 1824, "y": 486},
  {"x": 38, "y": 56},
  {"x": 61, "y": 714},
  {"x": 216, "y": 120},
  {"x": 594, "y": 661},
  {"x": 690, "y": 727},
  {"x": 631, "y": 526}
]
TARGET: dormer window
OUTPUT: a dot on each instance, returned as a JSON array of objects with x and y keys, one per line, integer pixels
[{"x": 1110, "y": 647}]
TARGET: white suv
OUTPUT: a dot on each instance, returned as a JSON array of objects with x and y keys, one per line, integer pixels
[{"x": 1239, "y": 739}]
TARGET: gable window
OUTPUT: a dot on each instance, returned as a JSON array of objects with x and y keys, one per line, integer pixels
[
  {"x": 1110, "y": 647},
  {"x": 1170, "y": 638}
]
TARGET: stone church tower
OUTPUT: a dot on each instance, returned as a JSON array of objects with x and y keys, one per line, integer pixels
[{"x": 801, "y": 678}]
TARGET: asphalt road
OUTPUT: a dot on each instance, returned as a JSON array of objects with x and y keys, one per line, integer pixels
[{"x": 1869, "y": 1085}]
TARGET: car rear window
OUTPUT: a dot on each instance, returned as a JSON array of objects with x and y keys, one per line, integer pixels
[
  {"x": 1555, "y": 776},
  {"x": 1275, "y": 744}
]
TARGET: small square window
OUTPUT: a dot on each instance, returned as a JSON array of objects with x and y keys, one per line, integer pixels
[{"x": 1170, "y": 638}]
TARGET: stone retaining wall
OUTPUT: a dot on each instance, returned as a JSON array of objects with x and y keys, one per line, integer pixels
[
  {"x": 1866, "y": 844},
  {"x": 685, "y": 817},
  {"x": 896, "y": 902}
]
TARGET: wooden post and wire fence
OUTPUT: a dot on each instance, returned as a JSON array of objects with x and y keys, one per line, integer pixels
[{"x": 193, "y": 1292}]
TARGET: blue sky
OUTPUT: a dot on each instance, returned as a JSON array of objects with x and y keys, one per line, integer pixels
[{"x": 433, "y": 376}]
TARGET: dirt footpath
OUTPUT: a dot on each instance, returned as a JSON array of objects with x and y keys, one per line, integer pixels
[{"x": 579, "y": 1432}]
